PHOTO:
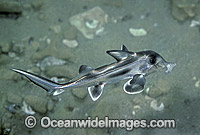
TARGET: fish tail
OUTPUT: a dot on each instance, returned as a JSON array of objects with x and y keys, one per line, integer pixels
[{"x": 50, "y": 86}]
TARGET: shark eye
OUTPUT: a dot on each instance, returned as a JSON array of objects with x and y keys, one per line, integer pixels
[{"x": 152, "y": 59}]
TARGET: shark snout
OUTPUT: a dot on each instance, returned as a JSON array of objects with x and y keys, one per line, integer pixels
[{"x": 169, "y": 67}]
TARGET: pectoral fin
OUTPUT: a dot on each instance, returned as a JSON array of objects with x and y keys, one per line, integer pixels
[
  {"x": 95, "y": 91},
  {"x": 135, "y": 85}
]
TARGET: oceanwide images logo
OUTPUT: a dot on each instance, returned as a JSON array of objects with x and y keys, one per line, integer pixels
[{"x": 128, "y": 124}]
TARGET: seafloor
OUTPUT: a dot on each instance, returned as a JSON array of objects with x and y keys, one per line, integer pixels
[{"x": 33, "y": 35}]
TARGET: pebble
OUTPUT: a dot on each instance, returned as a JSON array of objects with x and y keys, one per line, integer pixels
[
  {"x": 89, "y": 22},
  {"x": 10, "y": 7},
  {"x": 56, "y": 29},
  {"x": 48, "y": 41},
  {"x": 4, "y": 58},
  {"x": 161, "y": 87},
  {"x": 14, "y": 99},
  {"x": 60, "y": 71},
  {"x": 79, "y": 93},
  {"x": 50, "y": 105},
  {"x": 70, "y": 43},
  {"x": 50, "y": 61},
  {"x": 137, "y": 32},
  {"x": 35, "y": 45},
  {"x": 18, "y": 48},
  {"x": 194, "y": 78},
  {"x": 5, "y": 47},
  {"x": 59, "y": 52},
  {"x": 197, "y": 84},
  {"x": 12, "y": 54},
  {"x": 37, "y": 4},
  {"x": 27, "y": 6},
  {"x": 39, "y": 104}
]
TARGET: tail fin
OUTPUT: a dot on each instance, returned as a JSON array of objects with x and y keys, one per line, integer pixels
[{"x": 50, "y": 86}]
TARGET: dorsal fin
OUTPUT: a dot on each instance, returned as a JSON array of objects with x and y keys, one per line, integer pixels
[
  {"x": 123, "y": 48},
  {"x": 85, "y": 69},
  {"x": 119, "y": 54}
]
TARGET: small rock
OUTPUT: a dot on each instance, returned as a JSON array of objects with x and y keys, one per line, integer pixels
[
  {"x": 27, "y": 6},
  {"x": 194, "y": 78},
  {"x": 137, "y": 32},
  {"x": 4, "y": 59},
  {"x": 161, "y": 87},
  {"x": 183, "y": 9},
  {"x": 37, "y": 4},
  {"x": 14, "y": 99},
  {"x": 59, "y": 52},
  {"x": 50, "y": 105},
  {"x": 90, "y": 21},
  {"x": 12, "y": 54},
  {"x": 39, "y": 104},
  {"x": 10, "y": 6},
  {"x": 10, "y": 9},
  {"x": 5, "y": 47},
  {"x": 60, "y": 71},
  {"x": 6, "y": 74},
  {"x": 79, "y": 93},
  {"x": 197, "y": 84},
  {"x": 35, "y": 45},
  {"x": 70, "y": 43},
  {"x": 18, "y": 48},
  {"x": 48, "y": 41},
  {"x": 56, "y": 28},
  {"x": 51, "y": 61}
]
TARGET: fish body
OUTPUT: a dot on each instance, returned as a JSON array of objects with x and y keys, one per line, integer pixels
[{"x": 131, "y": 66}]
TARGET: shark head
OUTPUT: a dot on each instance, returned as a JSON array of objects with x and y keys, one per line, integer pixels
[{"x": 155, "y": 61}]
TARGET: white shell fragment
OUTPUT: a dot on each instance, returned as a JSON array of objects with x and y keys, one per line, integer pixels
[
  {"x": 27, "y": 109},
  {"x": 137, "y": 32},
  {"x": 50, "y": 61},
  {"x": 90, "y": 23},
  {"x": 194, "y": 23},
  {"x": 154, "y": 105},
  {"x": 197, "y": 84},
  {"x": 70, "y": 43}
]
